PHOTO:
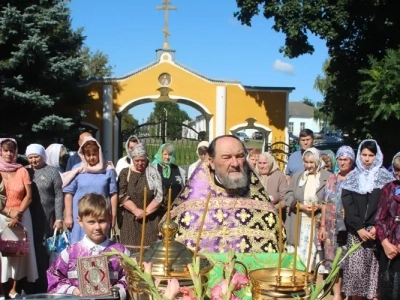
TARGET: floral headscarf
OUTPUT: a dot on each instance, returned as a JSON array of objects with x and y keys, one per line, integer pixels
[
  {"x": 362, "y": 180},
  {"x": 6, "y": 166},
  {"x": 158, "y": 159},
  {"x": 319, "y": 164}
]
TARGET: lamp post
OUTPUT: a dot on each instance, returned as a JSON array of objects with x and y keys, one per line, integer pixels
[{"x": 166, "y": 119}]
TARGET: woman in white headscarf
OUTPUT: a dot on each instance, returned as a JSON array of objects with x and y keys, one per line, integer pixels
[
  {"x": 202, "y": 154},
  {"x": 273, "y": 180},
  {"x": 57, "y": 157},
  {"x": 361, "y": 192},
  {"x": 46, "y": 208},
  {"x": 306, "y": 188}
]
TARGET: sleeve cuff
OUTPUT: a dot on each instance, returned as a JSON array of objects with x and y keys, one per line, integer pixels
[
  {"x": 70, "y": 290},
  {"x": 122, "y": 291}
]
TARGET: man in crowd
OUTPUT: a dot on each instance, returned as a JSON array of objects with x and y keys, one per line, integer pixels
[
  {"x": 295, "y": 162},
  {"x": 125, "y": 161},
  {"x": 75, "y": 158},
  {"x": 239, "y": 215}
]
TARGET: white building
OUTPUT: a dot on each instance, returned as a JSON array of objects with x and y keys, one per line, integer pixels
[
  {"x": 301, "y": 116},
  {"x": 198, "y": 124}
]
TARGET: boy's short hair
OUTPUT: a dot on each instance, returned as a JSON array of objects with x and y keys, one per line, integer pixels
[{"x": 93, "y": 205}]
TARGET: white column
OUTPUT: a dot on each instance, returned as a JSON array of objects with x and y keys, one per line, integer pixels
[
  {"x": 117, "y": 142},
  {"x": 220, "y": 111},
  {"x": 287, "y": 121},
  {"x": 107, "y": 123}
]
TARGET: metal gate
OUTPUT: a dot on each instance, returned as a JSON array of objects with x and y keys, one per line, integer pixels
[{"x": 183, "y": 137}]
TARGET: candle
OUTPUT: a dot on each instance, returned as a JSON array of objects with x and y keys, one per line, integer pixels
[
  {"x": 167, "y": 231},
  {"x": 202, "y": 223},
  {"x": 296, "y": 238},
  {"x": 280, "y": 240},
  {"x": 143, "y": 227},
  {"x": 311, "y": 238}
]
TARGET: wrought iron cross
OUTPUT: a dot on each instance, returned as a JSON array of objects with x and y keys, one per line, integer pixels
[{"x": 166, "y": 7}]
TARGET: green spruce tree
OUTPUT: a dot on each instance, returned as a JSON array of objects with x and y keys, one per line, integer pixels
[{"x": 40, "y": 65}]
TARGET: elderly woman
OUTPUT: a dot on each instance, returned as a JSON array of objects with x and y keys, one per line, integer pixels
[
  {"x": 132, "y": 182},
  {"x": 46, "y": 208},
  {"x": 387, "y": 223},
  {"x": 57, "y": 157},
  {"x": 306, "y": 188},
  {"x": 202, "y": 154},
  {"x": 19, "y": 194},
  {"x": 172, "y": 176},
  {"x": 92, "y": 176},
  {"x": 273, "y": 180},
  {"x": 252, "y": 157},
  {"x": 361, "y": 192},
  {"x": 333, "y": 231}
]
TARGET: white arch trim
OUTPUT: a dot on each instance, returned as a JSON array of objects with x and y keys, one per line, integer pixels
[
  {"x": 156, "y": 96},
  {"x": 211, "y": 123},
  {"x": 255, "y": 125},
  {"x": 97, "y": 137}
]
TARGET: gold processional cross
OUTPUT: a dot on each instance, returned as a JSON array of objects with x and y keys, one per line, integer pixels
[{"x": 166, "y": 7}]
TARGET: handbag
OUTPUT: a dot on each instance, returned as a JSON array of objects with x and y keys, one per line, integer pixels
[
  {"x": 114, "y": 236},
  {"x": 14, "y": 241},
  {"x": 57, "y": 243}
]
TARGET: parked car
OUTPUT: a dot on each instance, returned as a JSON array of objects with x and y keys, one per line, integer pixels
[
  {"x": 293, "y": 138},
  {"x": 243, "y": 137},
  {"x": 258, "y": 135}
]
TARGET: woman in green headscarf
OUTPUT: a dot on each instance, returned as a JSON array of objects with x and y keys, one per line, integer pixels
[{"x": 172, "y": 176}]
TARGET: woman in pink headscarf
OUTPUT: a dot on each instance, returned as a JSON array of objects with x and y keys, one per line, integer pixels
[
  {"x": 18, "y": 190},
  {"x": 91, "y": 176}
]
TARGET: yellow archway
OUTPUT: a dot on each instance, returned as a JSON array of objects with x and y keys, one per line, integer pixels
[{"x": 226, "y": 103}]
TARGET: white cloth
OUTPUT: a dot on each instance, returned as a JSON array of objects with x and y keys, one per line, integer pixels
[
  {"x": 363, "y": 180},
  {"x": 36, "y": 149},
  {"x": 19, "y": 267},
  {"x": 319, "y": 164},
  {"x": 193, "y": 167},
  {"x": 53, "y": 156},
  {"x": 122, "y": 164}
]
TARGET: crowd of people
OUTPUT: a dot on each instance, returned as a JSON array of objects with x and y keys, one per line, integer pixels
[{"x": 348, "y": 197}]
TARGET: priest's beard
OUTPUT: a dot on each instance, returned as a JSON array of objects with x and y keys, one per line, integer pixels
[{"x": 234, "y": 184}]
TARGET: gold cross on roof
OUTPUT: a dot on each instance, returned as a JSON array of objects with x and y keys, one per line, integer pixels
[{"x": 166, "y": 7}]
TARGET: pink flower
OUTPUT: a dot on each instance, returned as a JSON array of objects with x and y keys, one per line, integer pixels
[
  {"x": 219, "y": 290},
  {"x": 239, "y": 280},
  {"x": 172, "y": 289},
  {"x": 148, "y": 267}
]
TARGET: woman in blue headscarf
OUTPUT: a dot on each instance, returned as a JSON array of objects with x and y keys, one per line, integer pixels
[{"x": 172, "y": 176}]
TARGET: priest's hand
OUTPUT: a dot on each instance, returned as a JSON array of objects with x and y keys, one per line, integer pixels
[{"x": 322, "y": 234}]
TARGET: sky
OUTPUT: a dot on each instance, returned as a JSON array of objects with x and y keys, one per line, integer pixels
[{"x": 206, "y": 37}]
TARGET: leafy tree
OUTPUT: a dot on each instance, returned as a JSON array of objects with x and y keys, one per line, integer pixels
[
  {"x": 129, "y": 123},
  {"x": 95, "y": 64},
  {"x": 174, "y": 117},
  {"x": 40, "y": 64},
  {"x": 308, "y": 102},
  {"x": 354, "y": 32}
]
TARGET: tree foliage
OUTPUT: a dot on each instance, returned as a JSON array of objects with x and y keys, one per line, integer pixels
[
  {"x": 95, "y": 64},
  {"x": 356, "y": 33},
  {"x": 40, "y": 65},
  {"x": 173, "y": 115},
  {"x": 129, "y": 123},
  {"x": 41, "y": 61}
]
